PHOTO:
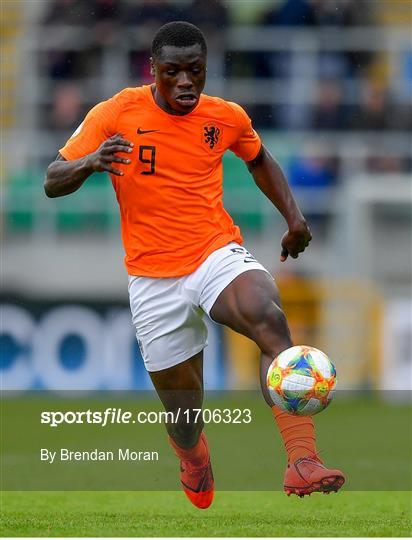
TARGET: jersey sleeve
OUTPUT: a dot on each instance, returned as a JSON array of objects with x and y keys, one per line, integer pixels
[
  {"x": 248, "y": 143},
  {"x": 98, "y": 125}
]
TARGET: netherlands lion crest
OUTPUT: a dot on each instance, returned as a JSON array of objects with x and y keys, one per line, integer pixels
[{"x": 211, "y": 135}]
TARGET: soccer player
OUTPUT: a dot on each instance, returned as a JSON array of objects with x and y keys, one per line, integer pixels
[{"x": 163, "y": 145}]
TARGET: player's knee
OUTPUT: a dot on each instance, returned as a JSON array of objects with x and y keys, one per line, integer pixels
[
  {"x": 270, "y": 327},
  {"x": 266, "y": 316}
]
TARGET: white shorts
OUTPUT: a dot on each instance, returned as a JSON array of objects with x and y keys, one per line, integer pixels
[{"x": 168, "y": 312}]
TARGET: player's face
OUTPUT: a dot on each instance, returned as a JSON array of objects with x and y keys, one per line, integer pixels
[{"x": 180, "y": 74}]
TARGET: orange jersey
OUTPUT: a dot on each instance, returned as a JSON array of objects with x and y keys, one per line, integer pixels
[{"x": 170, "y": 196}]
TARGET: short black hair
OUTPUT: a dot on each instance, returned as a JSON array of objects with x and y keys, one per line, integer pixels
[{"x": 177, "y": 34}]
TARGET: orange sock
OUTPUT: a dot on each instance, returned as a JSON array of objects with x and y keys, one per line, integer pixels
[
  {"x": 298, "y": 434},
  {"x": 197, "y": 455}
]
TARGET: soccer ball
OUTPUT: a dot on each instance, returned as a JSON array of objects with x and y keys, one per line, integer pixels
[{"x": 301, "y": 380}]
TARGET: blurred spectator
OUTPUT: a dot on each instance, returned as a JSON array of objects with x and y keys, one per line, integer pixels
[
  {"x": 361, "y": 17},
  {"x": 82, "y": 12},
  {"x": 74, "y": 12},
  {"x": 386, "y": 163},
  {"x": 290, "y": 13},
  {"x": 106, "y": 10},
  {"x": 373, "y": 111},
  {"x": 312, "y": 169},
  {"x": 62, "y": 64},
  {"x": 288, "y": 66},
  {"x": 101, "y": 18},
  {"x": 139, "y": 66},
  {"x": 66, "y": 106},
  {"x": 154, "y": 12},
  {"x": 405, "y": 72},
  {"x": 343, "y": 13},
  {"x": 328, "y": 111},
  {"x": 333, "y": 65},
  {"x": 210, "y": 16},
  {"x": 283, "y": 64},
  {"x": 319, "y": 13},
  {"x": 331, "y": 12},
  {"x": 107, "y": 16},
  {"x": 68, "y": 64}
]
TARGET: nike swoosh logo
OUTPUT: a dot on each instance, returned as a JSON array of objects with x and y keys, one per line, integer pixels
[{"x": 140, "y": 131}]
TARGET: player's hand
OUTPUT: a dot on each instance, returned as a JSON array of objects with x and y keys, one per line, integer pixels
[
  {"x": 295, "y": 241},
  {"x": 106, "y": 154}
]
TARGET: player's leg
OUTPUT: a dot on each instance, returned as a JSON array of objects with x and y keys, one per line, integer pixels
[
  {"x": 250, "y": 305},
  {"x": 171, "y": 336},
  {"x": 180, "y": 389}
]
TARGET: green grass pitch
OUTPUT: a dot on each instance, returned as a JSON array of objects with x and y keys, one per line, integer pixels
[
  {"x": 368, "y": 439},
  {"x": 232, "y": 514}
]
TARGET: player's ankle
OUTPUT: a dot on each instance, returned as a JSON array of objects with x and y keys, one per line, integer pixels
[
  {"x": 197, "y": 455},
  {"x": 302, "y": 453}
]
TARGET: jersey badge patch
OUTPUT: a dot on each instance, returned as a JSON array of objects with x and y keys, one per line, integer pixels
[{"x": 211, "y": 135}]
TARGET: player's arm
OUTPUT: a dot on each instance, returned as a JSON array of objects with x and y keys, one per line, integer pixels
[
  {"x": 64, "y": 177},
  {"x": 272, "y": 182}
]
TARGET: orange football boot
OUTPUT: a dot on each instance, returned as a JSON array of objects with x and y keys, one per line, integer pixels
[
  {"x": 308, "y": 474},
  {"x": 197, "y": 480}
]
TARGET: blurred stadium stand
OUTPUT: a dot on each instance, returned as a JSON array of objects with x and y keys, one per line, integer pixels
[{"x": 328, "y": 85}]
